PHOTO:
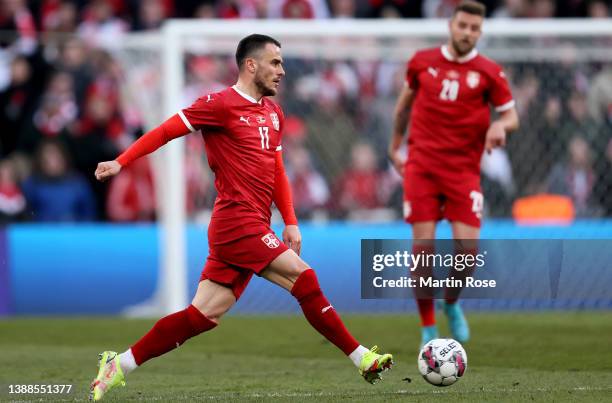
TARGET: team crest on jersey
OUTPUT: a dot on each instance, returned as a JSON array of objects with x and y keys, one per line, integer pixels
[
  {"x": 472, "y": 79},
  {"x": 271, "y": 241},
  {"x": 275, "y": 121}
]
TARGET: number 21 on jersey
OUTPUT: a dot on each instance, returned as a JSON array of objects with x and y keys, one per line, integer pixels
[
  {"x": 265, "y": 138},
  {"x": 450, "y": 90}
]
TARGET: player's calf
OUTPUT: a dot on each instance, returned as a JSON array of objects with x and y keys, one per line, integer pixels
[{"x": 323, "y": 317}]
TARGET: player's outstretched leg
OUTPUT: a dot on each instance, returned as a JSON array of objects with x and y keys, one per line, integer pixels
[
  {"x": 167, "y": 334},
  {"x": 323, "y": 317},
  {"x": 293, "y": 274}
]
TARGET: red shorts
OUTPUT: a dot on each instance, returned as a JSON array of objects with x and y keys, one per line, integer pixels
[
  {"x": 233, "y": 264},
  {"x": 431, "y": 197}
]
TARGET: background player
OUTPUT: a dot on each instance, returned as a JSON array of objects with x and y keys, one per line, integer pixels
[
  {"x": 242, "y": 131},
  {"x": 446, "y": 97}
]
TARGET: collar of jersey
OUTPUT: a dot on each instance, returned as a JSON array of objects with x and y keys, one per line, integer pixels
[
  {"x": 463, "y": 59},
  {"x": 246, "y": 96}
]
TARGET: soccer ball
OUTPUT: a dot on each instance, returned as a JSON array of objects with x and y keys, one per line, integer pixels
[{"x": 442, "y": 362}]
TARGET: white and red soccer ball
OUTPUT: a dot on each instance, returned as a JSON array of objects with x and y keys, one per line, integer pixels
[{"x": 442, "y": 362}]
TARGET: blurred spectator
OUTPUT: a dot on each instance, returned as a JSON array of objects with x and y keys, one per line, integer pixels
[
  {"x": 131, "y": 195},
  {"x": 205, "y": 11},
  {"x": 511, "y": 9},
  {"x": 603, "y": 187},
  {"x": 310, "y": 191},
  {"x": 600, "y": 96},
  {"x": 16, "y": 102},
  {"x": 393, "y": 9},
  {"x": 100, "y": 26},
  {"x": 439, "y": 8},
  {"x": 55, "y": 113},
  {"x": 74, "y": 61},
  {"x": 260, "y": 7},
  {"x": 202, "y": 77},
  {"x": 151, "y": 15},
  {"x": 343, "y": 8},
  {"x": 526, "y": 93},
  {"x": 12, "y": 202},
  {"x": 59, "y": 16},
  {"x": 95, "y": 140},
  {"x": 542, "y": 9},
  {"x": 579, "y": 121},
  {"x": 16, "y": 17},
  {"x": 301, "y": 9},
  {"x": 362, "y": 185},
  {"x": 576, "y": 178},
  {"x": 540, "y": 154},
  {"x": 598, "y": 9},
  {"x": 54, "y": 192}
]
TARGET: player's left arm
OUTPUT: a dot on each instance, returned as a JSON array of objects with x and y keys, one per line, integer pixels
[
  {"x": 284, "y": 202},
  {"x": 507, "y": 121}
]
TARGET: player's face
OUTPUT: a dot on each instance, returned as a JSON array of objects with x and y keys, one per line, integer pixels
[
  {"x": 269, "y": 70},
  {"x": 465, "y": 30}
]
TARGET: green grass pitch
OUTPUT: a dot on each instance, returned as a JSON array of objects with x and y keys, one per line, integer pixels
[{"x": 551, "y": 356}]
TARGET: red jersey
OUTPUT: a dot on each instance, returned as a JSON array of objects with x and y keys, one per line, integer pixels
[
  {"x": 451, "y": 110},
  {"x": 241, "y": 137}
]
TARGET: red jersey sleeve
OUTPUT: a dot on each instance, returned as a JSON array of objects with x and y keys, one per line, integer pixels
[
  {"x": 412, "y": 72},
  {"x": 205, "y": 112},
  {"x": 172, "y": 128},
  {"x": 500, "y": 94},
  {"x": 281, "y": 125},
  {"x": 282, "y": 192}
]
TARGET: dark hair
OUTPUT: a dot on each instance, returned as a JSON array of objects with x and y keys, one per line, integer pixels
[
  {"x": 51, "y": 143},
  {"x": 471, "y": 7},
  {"x": 251, "y": 44}
]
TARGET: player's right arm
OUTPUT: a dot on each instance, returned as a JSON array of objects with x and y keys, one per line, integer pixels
[
  {"x": 401, "y": 115},
  {"x": 172, "y": 128},
  {"x": 206, "y": 112}
]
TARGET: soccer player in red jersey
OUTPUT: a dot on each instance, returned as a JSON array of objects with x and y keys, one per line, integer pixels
[
  {"x": 447, "y": 97},
  {"x": 242, "y": 131}
]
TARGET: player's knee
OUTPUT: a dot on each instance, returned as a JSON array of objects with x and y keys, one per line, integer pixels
[
  {"x": 306, "y": 285},
  {"x": 201, "y": 321}
]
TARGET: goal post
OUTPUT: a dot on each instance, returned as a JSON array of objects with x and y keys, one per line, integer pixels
[{"x": 392, "y": 41}]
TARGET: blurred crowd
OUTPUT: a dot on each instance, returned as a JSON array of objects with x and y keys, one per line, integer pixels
[{"x": 64, "y": 108}]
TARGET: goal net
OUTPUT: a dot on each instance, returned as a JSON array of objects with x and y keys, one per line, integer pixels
[{"x": 342, "y": 79}]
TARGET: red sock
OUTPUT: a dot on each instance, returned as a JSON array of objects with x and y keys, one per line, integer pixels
[
  {"x": 426, "y": 311},
  {"x": 170, "y": 332},
  {"x": 320, "y": 314},
  {"x": 424, "y": 296}
]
